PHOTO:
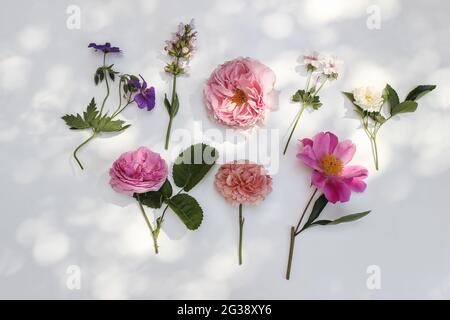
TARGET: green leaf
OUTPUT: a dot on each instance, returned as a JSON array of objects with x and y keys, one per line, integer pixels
[
  {"x": 419, "y": 91},
  {"x": 187, "y": 209},
  {"x": 166, "y": 189},
  {"x": 167, "y": 105},
  {"x": 358, "y": 109},
  {"x": 155, "y": 199},
  {"x": 406, "y": 106},
  {"x": 347, "y": 218},
  {"x": 152, "y": 199},
  {"x": 376, "y": 116},
  {"x": 175, "y": 106},
  {"x": 75, "y": 121},
  {"x": 317, "y": 209},
  {"x": 96, "y": 79},
  {"x": 193, "y": 164},
  {"x": 112, "y": 125},
  {"x": 392, "y": 97},
  {"x": 91, "y": 112}
]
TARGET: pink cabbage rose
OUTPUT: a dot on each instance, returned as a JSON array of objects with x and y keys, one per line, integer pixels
[
  {"x": 329, "y": 158},
  {"x": 138, "y": 172},
  {"x": 243, "y": 182},
  {"x": 239, "y": 93}
]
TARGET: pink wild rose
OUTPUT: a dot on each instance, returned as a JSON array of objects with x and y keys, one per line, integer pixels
[
  {"x": 239, "y": 93},
  {"x": 138, "y": 172},
  {"x": 329, "y": 158}
]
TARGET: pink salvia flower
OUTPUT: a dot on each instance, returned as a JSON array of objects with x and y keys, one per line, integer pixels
[{"x": 329, "y": 158}]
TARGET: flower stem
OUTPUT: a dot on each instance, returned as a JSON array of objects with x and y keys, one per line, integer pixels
[
  {"x": 107, "y": 84},
  {"x": 375, "y": 150},
  {"x": 295, "y": 125},
  {"x": 295, "y": 232},
  {"x": 94, "y": 134},
  {"x": 169, "y": 127},
  {"x": 149, "y": 224},
  {"x": 241, "y": 229},
  {"x": 291, "y": 253}
]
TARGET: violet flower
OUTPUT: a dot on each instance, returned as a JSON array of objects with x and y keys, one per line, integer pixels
[
  {"x": 106, "y": 48},
  {"x": 145, "y": 98}
]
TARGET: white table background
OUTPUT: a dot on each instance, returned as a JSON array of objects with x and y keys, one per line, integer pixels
[{"x": 53, "y": 215}]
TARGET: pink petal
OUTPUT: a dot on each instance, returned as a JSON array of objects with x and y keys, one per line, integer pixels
[
  {"x": 306, "y": 142},
  {"x": 308, "y": 157},
  {"x": 345, "y": 151},
  {"x": 336, "y": 190},
  {"x": 324, "y": 143},
  {"x": 354, "y": 172},
  {"x": 318, "y": 179},
  {"x": 356, "y": 185}
]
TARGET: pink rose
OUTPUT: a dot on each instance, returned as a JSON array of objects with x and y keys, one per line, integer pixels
[
  {"x": 243, "y": 182},
  {"x": 138, "y": 172},
  {"x": 239, "y": 93}
]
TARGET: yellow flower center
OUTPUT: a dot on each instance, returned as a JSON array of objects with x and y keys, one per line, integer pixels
[
  {"x": 331, "y": 165},
  {"x": 369, "y": 98},
  {"x": 239, "y": 97}
]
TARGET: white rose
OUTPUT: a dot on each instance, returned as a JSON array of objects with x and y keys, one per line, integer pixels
[{"x": 368, "y": 98}]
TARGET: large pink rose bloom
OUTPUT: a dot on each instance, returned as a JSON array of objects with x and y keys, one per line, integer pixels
[
  {"x": 239, "y": 93},
  {"x": 329, "y": 158},
  {"x": 138, "y": 172},
  {"x": 243, "y": 182}
]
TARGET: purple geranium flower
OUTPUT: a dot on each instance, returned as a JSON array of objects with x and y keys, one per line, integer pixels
[
  {"x": 145, "y": 98},
  {"x": 106, "y": 48}
]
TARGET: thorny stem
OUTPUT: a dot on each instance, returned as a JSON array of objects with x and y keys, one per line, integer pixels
[
  {"x": 294, "y": 232},
  {"x": 94, "y": 134}
]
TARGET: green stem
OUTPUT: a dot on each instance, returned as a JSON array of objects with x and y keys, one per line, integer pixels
[
  {"x": 115, "y": 114},
  {"x": 295, "y": 125},
  {"x": 241, "y": 229},
  {"x": 291, "y": 253},
  {"x": 169, "y": 127},
  {"x": 107, "y": 85},
  {"x": 149, "y": 224},
  {"x": 375, "y": 149},
  {"x": 94, "y": 134},
  {"x": 294, "y": 232}
]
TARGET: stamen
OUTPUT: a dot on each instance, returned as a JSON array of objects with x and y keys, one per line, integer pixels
[
  {"x": 239, "y": 97},
  {"x": 331, "y": 165}
]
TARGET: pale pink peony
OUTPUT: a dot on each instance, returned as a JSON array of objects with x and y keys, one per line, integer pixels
[
  {"x": 329, "y": 158},
  {"x": 138, "y": 172},
  {"x": 239, "y": 93},
  {"x": 243, "y": 182}
]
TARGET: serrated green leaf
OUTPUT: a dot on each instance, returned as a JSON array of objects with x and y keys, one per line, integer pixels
[
  {"x": 151, "y": 199},
  {"x": 193, "y": 164},
  {"x": 75, "y": 121},
  {"x": 347, "y": 218},
  {"x": 91, "y": 112},
  {"x": 112, "y": 125},
  {"x": 406, "y": 106},
  {"x": 419, "y": 91},
  {"x": 187, "y": 209},
  {"x": 155, "y": 199},
  {"x": 166, "y": 189},
  {"x": 360, "y": 111}
]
